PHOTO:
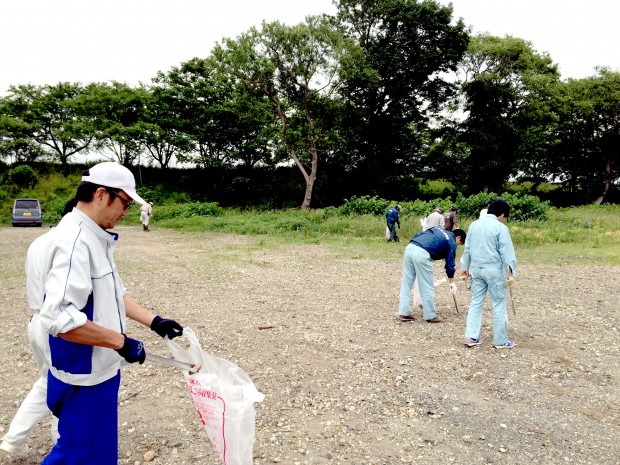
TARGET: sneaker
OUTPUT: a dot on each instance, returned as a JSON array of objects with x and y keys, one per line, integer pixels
[
  {"x": 407, "y": 318},
  {"x": 435, "y": 320},
  {"x": 505, "y": 345},
  {"x": 20, "y": 450},
  {"x": 471, "y": 342}
]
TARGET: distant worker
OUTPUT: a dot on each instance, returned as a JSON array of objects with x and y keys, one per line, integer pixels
[
  {"x": 487, "y": 254},
  {"x": 392, "y": 220},
  {"x": 435, "y": 219},
  {"x": 429, "y": 245},
  {"x": 451, "y": 220},
  {"x": 146, "y": 211}
]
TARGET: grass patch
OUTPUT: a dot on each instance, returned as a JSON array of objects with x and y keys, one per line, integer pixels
[
  {"x": 577, "y": 235},
  {"x": 580, "y": 235}
]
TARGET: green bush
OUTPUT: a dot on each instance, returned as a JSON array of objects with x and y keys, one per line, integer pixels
[
  {"x": 522, "y": 206},
  {"x": 365, "y": 205},
  {"x": 187, "y": 210},
  {"x": 21, "y": 177},
  {"x": 159, "y": 195}
]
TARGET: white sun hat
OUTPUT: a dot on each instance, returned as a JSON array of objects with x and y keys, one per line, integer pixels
[{"x": 111, "y": 174}]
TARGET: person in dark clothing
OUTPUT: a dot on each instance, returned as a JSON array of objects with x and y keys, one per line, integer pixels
[
  {"x": 451, "y": 221},
  {"x": 431, "y": 244},
  {"x": 392, "y": 220},
  {"x": 72, "y": 202}
]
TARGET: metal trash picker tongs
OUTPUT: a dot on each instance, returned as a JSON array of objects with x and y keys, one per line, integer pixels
[
  {"x": 512, "y": 301},
  {"x": 174, "y": 363}
]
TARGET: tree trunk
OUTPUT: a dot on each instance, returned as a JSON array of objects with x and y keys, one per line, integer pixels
[
  {"x": 606, "y": 181},
  {"x": 310, "y": 179}
]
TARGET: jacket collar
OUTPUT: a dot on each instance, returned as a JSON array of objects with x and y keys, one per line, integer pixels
[{"x": 102, "y": 234}]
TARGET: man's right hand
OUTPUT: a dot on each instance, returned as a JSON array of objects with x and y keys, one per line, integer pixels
[{"x": 132, "y": 350}]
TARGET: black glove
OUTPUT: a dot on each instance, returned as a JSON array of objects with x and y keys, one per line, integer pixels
[
  {"x": 166, "y": 327},
  {"x": 132, "y": 350}
]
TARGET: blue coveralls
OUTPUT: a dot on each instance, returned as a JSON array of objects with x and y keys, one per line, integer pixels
[
  {"x": 431, "y": 244},
  {"x": 392, "y": 220},
  {"x": 488, "y": 252}
]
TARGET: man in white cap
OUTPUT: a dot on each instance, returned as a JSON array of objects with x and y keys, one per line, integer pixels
[
  {"x": 146, "y": 211},
  {"x": 83, "y": 311}
]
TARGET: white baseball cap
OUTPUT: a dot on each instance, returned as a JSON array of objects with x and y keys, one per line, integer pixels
[{"x": 111, "y": 174}]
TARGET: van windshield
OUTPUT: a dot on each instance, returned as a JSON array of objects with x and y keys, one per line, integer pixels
[{"x": 29, "y": 204}]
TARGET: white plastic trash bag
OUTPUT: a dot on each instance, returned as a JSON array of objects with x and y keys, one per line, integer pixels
[
  {"x": 388, "y": 233},
  {"x": 417, "y": 297},
  {"x": 224, "y": 396}
]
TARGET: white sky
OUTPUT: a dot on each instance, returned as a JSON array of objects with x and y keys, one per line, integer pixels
[
  {"x": 577, "y": 34},
  {"x": 48, "y": 41}
]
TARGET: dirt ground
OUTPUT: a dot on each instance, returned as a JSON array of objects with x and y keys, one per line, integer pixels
[{"x": 345, "y": 382}]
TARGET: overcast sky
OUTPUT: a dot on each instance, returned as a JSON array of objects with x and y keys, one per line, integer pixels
[{"x": 48, "y": 41}]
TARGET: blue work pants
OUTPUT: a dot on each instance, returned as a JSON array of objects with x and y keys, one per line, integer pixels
[
  {"x": 87, "y": 422},
  {"x": 417, "y": 264},
  {"x": 491, "y": 280}
]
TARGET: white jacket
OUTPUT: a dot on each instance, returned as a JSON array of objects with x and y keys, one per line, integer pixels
[{"x": 81, "y": 283}]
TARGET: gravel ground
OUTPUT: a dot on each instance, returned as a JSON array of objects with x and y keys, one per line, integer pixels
[{"x": 345, "y": 381}]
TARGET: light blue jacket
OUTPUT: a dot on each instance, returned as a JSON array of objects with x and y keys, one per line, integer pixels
[{"x": 488, "y": 244}]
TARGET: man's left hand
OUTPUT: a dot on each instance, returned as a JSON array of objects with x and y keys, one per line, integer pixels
[{"x": 166, "y": 327}]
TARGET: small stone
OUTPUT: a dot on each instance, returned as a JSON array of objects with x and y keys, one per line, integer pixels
[{"x": 149, "y": 455}]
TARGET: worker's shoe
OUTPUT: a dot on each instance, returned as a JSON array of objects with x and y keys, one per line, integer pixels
[
  {"x": 407, "y": 318},
  {"x": 505, "y": 345},
  {"x": 19, "y": 450},
  {"x": 471, "y": 342},
  {"x": 435, "y": 320}
]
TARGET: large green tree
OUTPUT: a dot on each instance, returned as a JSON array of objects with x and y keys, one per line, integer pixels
[
  {"x": 503, "y": 83},
  {"x": 228, "y": 122},
  {"x": 587, "y": 155},
  {"x": 53, "y": 116},
  {"x": 117, "y": 111},
  {"x": 160, "y": 130},
  {"x": 397, "y": 83},
  {"x": 297, "y": 69},
  {"x": 16, "y": 146}
]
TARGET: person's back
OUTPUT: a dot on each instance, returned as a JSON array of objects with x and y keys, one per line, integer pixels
[
  {"x": 451, "y": 220},
  {"x": 435, "y": 220},
  {"x": 483, "y": 239},
  {"x": 145, "y": 215},
  {"x": 490, "y": 260}
]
